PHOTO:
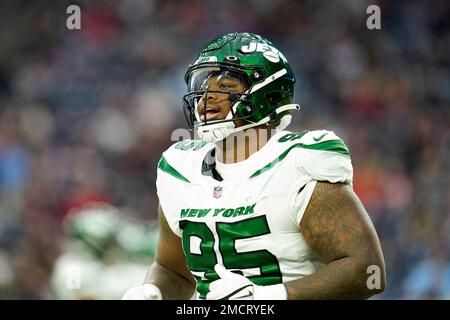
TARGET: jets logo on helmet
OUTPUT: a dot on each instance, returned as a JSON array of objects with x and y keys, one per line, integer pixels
[
  {"x": 271, "y": 53},
  {"x": 266, "y": 77}
]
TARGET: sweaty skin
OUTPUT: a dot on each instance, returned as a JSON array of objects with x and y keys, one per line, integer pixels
[
  {"x": 337, "y": 228},
  {"x": 215, "y": 105}
]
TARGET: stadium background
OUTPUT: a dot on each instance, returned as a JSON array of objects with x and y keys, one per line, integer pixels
[{"x": 85, "y": 115}]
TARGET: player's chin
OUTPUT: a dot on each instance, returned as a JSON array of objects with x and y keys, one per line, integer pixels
[{"x": 213, "y": 115}]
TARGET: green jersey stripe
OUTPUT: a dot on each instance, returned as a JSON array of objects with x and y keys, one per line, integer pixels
[
  {"x": 331, "y": 145},
  {"x": 166, "y": 167}
]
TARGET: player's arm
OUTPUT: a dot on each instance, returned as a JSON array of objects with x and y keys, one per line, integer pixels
[
  {"x": 168, "y": 277},
  {"x": 169, "y": 271},
  {"x": 339, "y": 231}
]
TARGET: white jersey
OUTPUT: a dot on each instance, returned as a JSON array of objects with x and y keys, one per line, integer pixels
[{"x": 249, "y": 221}]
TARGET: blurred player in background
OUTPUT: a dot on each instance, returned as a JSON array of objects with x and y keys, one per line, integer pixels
[
  {"x": 252, "y": 211},
  {"x": 105, "y": 253}
]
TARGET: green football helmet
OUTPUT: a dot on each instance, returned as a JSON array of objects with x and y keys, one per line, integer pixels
[
  {"x": 257, "y": 63},
  {"x": 95, "y": 225}
]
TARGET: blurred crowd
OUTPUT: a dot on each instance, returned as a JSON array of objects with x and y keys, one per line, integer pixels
[{"x": 85, "y": 115}]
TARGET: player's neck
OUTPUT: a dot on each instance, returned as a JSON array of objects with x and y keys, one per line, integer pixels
[{"x": 241, "y": 145}]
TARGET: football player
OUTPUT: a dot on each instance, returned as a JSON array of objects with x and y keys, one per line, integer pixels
[{"x": 270, "y": 216}]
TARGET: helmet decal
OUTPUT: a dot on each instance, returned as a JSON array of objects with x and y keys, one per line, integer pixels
[
  {"x": 206, "y": 59},
  {"x": 271, "y": 53}
]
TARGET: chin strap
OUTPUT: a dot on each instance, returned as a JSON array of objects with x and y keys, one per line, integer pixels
[{"x": 216, "y": 132}]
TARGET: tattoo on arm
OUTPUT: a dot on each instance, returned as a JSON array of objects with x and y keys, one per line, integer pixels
[{"x": 339, "y": 232}]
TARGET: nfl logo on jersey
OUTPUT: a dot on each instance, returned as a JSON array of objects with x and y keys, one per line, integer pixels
[{"x": 217, "y": 192}]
